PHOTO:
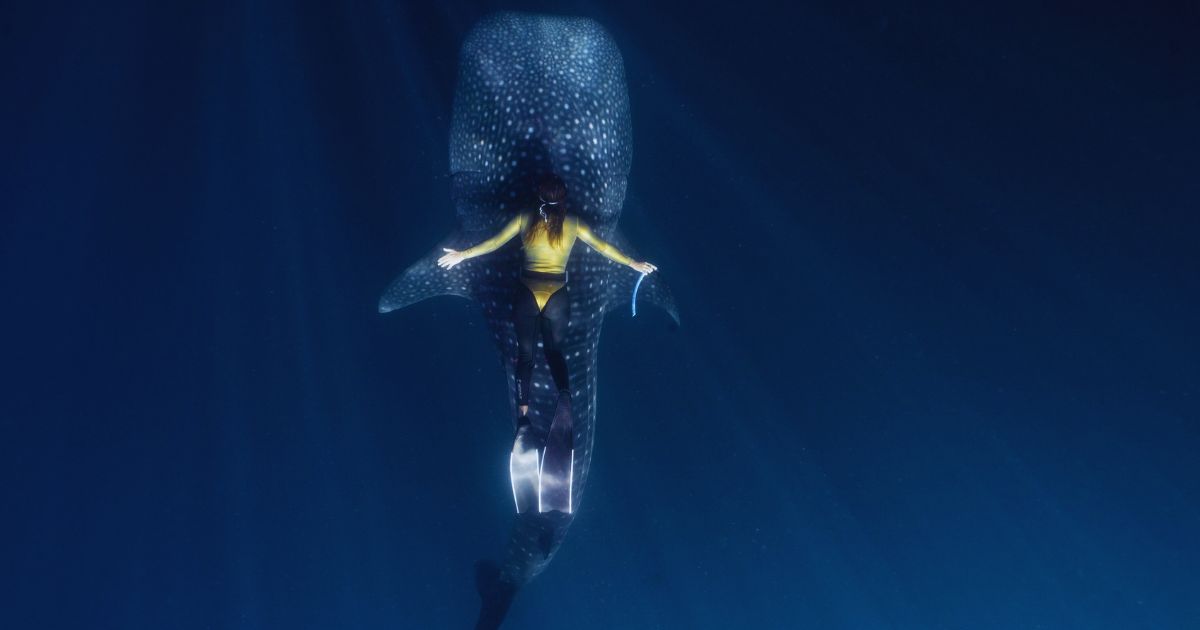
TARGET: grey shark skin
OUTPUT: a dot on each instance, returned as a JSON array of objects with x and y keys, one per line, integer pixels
[{"x": 537, "y": 94}]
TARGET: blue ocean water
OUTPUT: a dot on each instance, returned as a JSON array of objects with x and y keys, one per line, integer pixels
[{"x": 936, "y": 267}]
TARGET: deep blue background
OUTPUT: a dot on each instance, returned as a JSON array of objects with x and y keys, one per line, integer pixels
[{"x": 938, "y": 363}]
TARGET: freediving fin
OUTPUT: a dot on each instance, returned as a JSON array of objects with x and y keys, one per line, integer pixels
[
  {"x": 523, "y": 467},
  {"x": 558, "y": 461}
]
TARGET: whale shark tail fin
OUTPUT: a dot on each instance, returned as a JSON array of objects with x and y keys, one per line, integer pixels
[
  {"x": 495, "y": 594},
  {"x": 424, "y": 279}
]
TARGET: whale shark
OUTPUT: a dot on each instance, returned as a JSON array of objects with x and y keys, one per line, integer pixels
[{"x": 537, "y": 94}]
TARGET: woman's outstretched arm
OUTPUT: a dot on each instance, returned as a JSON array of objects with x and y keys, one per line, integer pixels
[
  {"x": 609, "y": 251},
  {"x": 453, "y": 257}
]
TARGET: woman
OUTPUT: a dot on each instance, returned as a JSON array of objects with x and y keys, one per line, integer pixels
[{"x": 540, "y": 301}]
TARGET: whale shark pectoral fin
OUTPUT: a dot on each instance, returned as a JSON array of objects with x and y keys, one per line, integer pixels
[
  {"x": 653, "y": 289},
  {"x": 555, "y": 491},
  {"x": 424, "y": 279}
]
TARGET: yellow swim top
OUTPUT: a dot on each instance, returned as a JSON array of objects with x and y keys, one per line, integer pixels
[{"x": 540, "y": 255}]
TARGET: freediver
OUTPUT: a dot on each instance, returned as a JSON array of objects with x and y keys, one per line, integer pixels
[{"x": 540, "y": 297}]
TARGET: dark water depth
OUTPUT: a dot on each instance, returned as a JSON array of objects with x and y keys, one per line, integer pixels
[{"x": 938, "y": 364}]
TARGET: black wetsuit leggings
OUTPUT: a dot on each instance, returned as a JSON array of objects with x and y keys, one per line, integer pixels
[{"x": 552, "y": 323}]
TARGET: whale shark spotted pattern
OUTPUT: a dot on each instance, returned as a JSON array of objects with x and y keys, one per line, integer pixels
[{"x": 538, "y": 94}]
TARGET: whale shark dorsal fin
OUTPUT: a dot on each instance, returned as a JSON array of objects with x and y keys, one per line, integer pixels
[
  {"x": 654, "y": 290},
  {"x": 424, "y": 279}
]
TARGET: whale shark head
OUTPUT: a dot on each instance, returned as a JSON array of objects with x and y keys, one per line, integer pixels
[{"x": 539, "y": 94}]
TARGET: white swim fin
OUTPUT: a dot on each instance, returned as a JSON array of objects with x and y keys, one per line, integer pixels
[
  {"x": 523, "y": 465},
  {"x": 558, "y": 462}
]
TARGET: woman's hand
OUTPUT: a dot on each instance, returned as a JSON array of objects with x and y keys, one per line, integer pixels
[
  {"x": 453, "y": 257},
  {"x": 643, "y": 267}
]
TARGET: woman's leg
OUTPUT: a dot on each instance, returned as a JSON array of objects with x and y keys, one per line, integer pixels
[
  {"x": 555, "y": 316},
  {"x": 525, "y": 323}
]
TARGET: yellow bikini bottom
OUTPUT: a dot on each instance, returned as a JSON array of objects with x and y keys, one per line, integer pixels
[{"x": 542, "y": 288}]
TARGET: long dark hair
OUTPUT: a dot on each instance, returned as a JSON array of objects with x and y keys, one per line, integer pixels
[{"x": 552, "y": 202}]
